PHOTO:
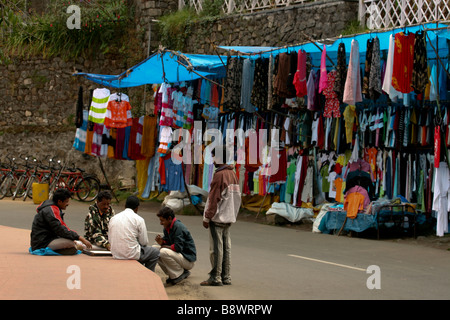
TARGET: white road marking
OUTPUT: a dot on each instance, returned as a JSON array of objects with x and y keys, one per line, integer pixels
[{"x": 327, "y": 262}]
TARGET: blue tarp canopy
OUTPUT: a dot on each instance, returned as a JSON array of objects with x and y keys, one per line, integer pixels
[
  {"x": 315, "y": 49},
  {"x": 163, "y": 67},
  {"x": 169, "y": 66}
]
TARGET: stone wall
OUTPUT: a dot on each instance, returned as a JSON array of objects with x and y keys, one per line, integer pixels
[
  {"x": 147, "y": 13},
  {"x": 276, "y": 27},
  {"x": 37, "y": 106}
]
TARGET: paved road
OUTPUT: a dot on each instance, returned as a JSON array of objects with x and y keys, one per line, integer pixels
[{"x": 275, "y": 263}]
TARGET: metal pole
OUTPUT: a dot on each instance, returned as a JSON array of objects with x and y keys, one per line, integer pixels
[{"x": 148, "y": 53}]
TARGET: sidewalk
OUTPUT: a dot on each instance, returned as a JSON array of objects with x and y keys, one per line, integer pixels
[{"x": 29, "y": 277}]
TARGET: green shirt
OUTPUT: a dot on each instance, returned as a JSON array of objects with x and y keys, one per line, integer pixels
[{"x": 290, "y": 187}]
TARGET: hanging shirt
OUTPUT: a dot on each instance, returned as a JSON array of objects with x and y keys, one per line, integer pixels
[
  {"x": 300, "y": 75},
  {"x": 165, "y": 138},
  {"x": 118, "y": 114},
  {"x": 375, "y": 71},
  {"x": 166, "y": 118},
  {"x": 248, "y": 71},
  {"x": 420, "y": 69},
  {"x": 97, "y": 110},
  {"x": 80, "y": 134},
  {"x": 341, "y": 70},
  {"x": 149, "y": 136},
  {"x": 440, "y": 198},
  {"x": 312, "y": 90},
  {"x": 387, "y": 82},
  {"x": 174, "y": 176},
  {"x": 349, "y": 117},
  {"x": 331, "y": 102},
  {"x": 323, "y": 83},
  {"x": 352, "y": 90}
]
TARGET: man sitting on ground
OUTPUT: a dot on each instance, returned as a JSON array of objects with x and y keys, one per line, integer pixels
[
  {"x": 97, "y": 220},
  {"x": 178, "y": 252},
  {"x": 49, "y": 229},
  {"x": 128, "y": 236}
]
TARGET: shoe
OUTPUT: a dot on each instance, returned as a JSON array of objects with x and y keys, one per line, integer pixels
[
  {"x": 226, "y": 283},
  {"x": 183, "y": 276},
  {"x": 211, "y": 283}
]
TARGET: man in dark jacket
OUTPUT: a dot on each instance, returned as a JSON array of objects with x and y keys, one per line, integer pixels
[
  {"x": 49, "y": 229},
  {"x": 178, "y": 252}
]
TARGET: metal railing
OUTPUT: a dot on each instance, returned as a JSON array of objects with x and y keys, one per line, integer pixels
[
  {"x": 241, "y": 6},
  {"x": 375, "y": 14},
  {"x": 380, "y": 14}
]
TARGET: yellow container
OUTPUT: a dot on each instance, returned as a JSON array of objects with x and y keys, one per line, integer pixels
[{"x": 40, "y": 192}]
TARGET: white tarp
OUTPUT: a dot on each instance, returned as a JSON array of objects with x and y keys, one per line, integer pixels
[{"x": 289, "y": 212}]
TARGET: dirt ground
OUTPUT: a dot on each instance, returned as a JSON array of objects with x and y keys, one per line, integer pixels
[
  {"x": 185, "y": 290},
  {"x": 189, "y": 289}
]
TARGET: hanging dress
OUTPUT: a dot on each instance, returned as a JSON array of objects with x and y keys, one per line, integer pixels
[
  {"x": 352, "y": 90},
  {"x": 403, "y": 62}
]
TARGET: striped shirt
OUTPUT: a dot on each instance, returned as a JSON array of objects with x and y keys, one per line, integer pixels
[{"x": 97, "y": 111}]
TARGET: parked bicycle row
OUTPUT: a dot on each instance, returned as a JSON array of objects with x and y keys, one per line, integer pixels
[{"x": 18, "y": 174}]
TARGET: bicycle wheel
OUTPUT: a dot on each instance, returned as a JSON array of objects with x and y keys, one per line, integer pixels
[
  {"x": 53, "y": 186},
  {"x": 19, "y": 188},
  {"x": 29, "y": 188},
  {"x": 88, "y": 189},
  {"x": 5, "y": 187}
]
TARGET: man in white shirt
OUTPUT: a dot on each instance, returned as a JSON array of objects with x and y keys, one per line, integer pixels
[{"x": 128, "y": 236}]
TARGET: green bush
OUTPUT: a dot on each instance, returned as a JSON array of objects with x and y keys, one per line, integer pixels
[
  {"x": 104, "y": 26},
  {"x": 174, "y": 28}
]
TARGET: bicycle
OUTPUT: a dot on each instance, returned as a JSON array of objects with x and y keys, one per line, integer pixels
[
  {"x": 36, "y": 177},
  {"x": 20, "y": 187},
  {"x": 10, "y": 178},
  {"x": 85, "y": 186},
  {"x": 54, "y": 179}
]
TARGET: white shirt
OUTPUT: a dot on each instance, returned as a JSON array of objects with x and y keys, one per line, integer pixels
[{"x": 127, "y": 233}]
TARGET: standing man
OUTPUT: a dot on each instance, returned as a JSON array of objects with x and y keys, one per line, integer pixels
[
  {"x": 178, "y": 253},
  {"x": 50, "y": 230},
  {"x": 97, "y": 220},
  {"x": 128, "y": 236},
  {"x": 221, "y": 210}
]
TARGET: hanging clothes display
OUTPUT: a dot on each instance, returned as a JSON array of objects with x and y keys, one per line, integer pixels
[{"x": 374, "y": 125}]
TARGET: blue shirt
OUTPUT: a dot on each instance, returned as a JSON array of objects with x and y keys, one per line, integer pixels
[{"x": 174, "y": 176}]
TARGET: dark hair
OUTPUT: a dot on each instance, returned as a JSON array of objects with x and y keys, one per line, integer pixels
[
  {"x": 61, "y": 194},
  {"x": 132, "y": 202},
  {"x": 221, "y": 154},
  {"x": 104, "y": 194},
  {"x": 166, "y": 213}
]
